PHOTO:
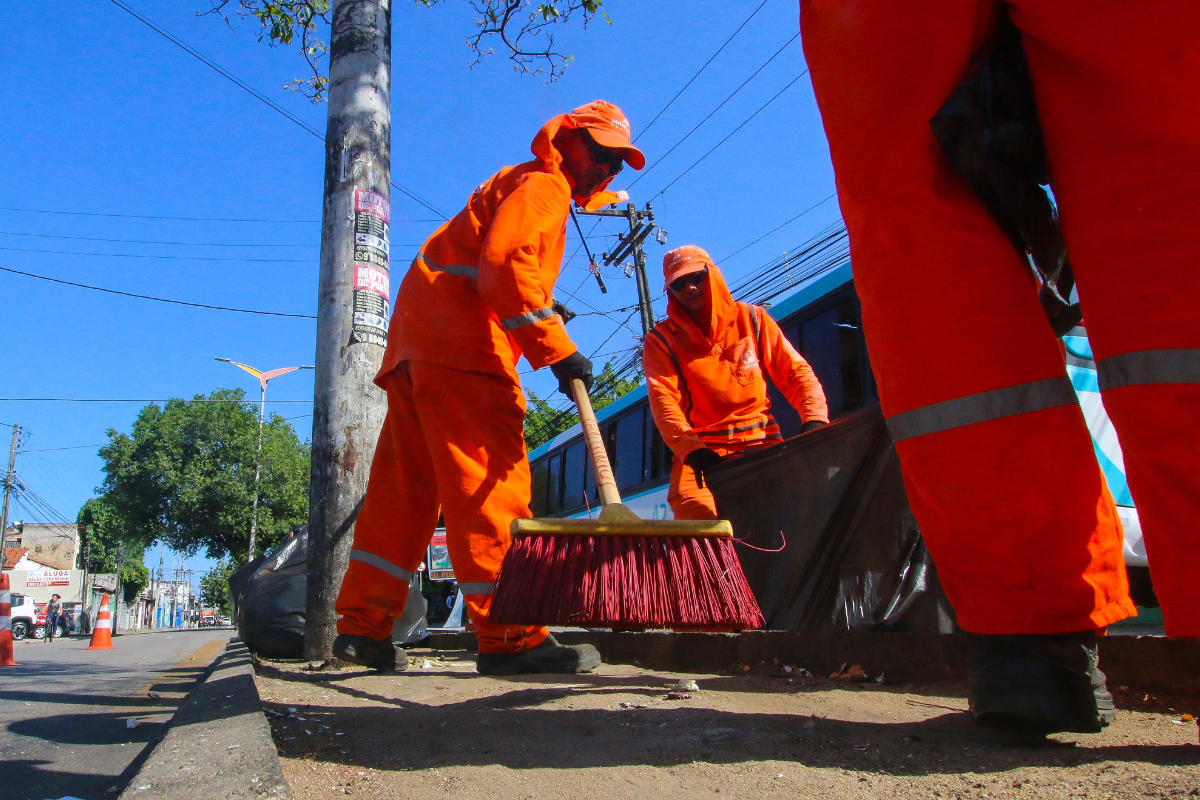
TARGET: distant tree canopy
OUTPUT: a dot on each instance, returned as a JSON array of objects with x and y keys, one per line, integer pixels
[
  {"x": 214, "y": 587},
  {"x": 185, "y": 476},
  {"x": 105, "y": 542},
  {"x": 543, "y": 422}
]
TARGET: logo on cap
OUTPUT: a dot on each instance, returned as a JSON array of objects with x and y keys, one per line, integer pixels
[{"x": 623, "y": 124}]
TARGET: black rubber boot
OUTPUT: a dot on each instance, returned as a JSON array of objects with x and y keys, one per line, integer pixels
[
  {"x": 547, "y": 657},
  {"x": 378, "y": 654},
  {"x": 1039, "y": 683}
]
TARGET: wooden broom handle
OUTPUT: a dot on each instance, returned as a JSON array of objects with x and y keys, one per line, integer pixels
[{"x": 605, "y": 481}]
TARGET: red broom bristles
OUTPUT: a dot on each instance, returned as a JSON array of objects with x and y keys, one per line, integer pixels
[{"x": 624, "y": 581}]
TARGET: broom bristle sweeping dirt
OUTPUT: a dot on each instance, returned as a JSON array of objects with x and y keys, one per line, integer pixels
[{"x": 620, "y": 570}]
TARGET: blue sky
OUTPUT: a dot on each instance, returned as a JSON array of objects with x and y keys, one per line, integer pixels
[{"x": 104, "y": 116}]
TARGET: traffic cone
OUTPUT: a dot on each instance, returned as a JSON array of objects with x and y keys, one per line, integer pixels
[
  {"x": 102, "y": 632},
  {"x": 6, "y": 640}
]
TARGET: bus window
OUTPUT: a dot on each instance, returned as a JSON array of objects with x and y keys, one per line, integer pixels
[
  {"x": 629, "y": 431},
  {"x": 539, "y": 478},
  {"x": 554, "y": 484},
  {"x": 850, "y": 330},
  {"x": 573, "y": 476},
  {"x": 656, "y": 453},
  {"x": 832, "y": 347}
]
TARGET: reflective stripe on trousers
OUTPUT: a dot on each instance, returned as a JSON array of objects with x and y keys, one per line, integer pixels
[
  {"x": 983, "y": 407},
  {"x": 1144, "y": 367},
  {"x": 381, "y": 564}
]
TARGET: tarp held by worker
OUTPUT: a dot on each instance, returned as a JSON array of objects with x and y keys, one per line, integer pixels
[
  {"x": 854, "y": 559},
  {"x": 268, "y": 601}
]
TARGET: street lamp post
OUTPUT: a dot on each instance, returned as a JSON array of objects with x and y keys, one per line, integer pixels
[{"x": 263, "y": 377}]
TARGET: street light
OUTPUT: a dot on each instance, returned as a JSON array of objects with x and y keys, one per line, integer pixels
[{"x": 263, "y": 377}]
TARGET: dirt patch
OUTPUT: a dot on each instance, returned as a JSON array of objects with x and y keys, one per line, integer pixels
[{"x": 442, "y": 730}]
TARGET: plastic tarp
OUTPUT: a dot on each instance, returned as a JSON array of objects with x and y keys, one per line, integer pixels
[
  {"x": 852, "y": 557},
  {"x": 268, "y": 597}
]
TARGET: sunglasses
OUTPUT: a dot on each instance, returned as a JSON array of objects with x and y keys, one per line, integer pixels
[
  {"x": 691, "y": 279},
  {"x": 603, "y": 156}
]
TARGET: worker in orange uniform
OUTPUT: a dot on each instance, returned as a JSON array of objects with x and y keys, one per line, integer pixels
[
  {"x": 477, "y": 297},
  {"x": 997, "y": 460},
  {"x": 704, "y": 371}
]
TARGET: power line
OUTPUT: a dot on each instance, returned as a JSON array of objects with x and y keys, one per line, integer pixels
[
  {"x": 777, "y": 227},
  {"x": 130, "y": 400},
  {"x": 156, "y": 299},
  {"x": 721, "y": 105},
  {"x": 697, "y": 75},
  {"x": 153, "y": 241},
  {"x": 73, "y": 447},
  {"x": 252, "y": 91},
  {"x": 730, "y": 134},
  {"x": 161, "y": 257},
  {"x": 179, "y": 219}
]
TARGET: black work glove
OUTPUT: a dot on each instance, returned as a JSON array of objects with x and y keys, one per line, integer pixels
[
  {"x": 576, "y": 365},
  {"x": 564, "y": 312},
  {"x": 812, "y": 425},
  {"x": 700, "y": 460}
]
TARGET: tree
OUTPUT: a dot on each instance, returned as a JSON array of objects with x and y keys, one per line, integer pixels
[
  {"x": 185, "y": 476},
  {"x": 214, "y": 587},
  {"x": 524, "y": 28},
  {"x": 543, "y": 422},
  {"x": 106, "y": 541}
]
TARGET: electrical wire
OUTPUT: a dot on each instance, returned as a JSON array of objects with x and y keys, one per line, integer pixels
[
  {"x": 73, "y": 447},
  {"x": 181, "y": 219},
  {"x": 161, "y": 257},
  {"x": 156, "y": 299},
  {"x": 152, "y": 241},
  {"x": 131, "y": 400},
  {"x": 254, "y": 92},
  {"x": 720, "y": 105},
  {"x": 702, "y": 68},
  {"x": 728, "y": 136},
  {"x": 778, "y": 227}
]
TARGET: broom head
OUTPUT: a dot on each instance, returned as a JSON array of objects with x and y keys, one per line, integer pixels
[{"x": 623, "y": 571}]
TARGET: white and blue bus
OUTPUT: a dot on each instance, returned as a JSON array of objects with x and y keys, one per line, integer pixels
[{"x": 822, "y": 320}]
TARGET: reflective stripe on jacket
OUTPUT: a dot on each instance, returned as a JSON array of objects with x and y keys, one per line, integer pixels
[{"x": 709, "y": 390}]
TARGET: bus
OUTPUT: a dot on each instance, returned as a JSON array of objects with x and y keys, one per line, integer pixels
[{"x": 822, "y": 320}]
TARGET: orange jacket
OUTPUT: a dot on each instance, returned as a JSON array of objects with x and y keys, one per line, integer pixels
[
  {"x": 708, "y": 390},
  {"x": 477, "y": 296}
]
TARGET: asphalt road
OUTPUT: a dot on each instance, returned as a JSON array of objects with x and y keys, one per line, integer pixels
[{"x": 64, "y": 710}]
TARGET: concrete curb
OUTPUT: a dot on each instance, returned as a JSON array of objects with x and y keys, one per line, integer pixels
[
  {"x": 1150, "y": 663},
  {"x": 219, "y": 745}
]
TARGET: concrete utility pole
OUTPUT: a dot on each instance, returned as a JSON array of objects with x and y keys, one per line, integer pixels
[
  {"x": 353, "y": 307},
  {"x": 9, "y": 481},
  {"x": 641, "y": 227}
]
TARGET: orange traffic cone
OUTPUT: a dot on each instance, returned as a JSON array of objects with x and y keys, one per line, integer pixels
[
  {"x": 102, "y": 632},
  {"x": 6, "y": 640}
]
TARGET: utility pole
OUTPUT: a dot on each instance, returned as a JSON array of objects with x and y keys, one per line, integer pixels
[
  {"x": 641, "y": 226},
  {"x": 353, "y": 305},
  {"x": 9, "y": 481}
]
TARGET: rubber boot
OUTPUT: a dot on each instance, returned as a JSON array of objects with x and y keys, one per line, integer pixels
[
  {"x": 1039, "y": 683},
  {"x": 378, "y": 654},
  {"x": 547, "y": 657}
]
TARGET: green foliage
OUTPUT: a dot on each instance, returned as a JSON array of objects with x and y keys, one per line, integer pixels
[
  {"x": 214, "y": 587},
  {"x": 134, "y": 578},
  {"x": 185, "y": 476},
  {"x": 543, "y": 422},
  {"x": 512, "y": 22}
]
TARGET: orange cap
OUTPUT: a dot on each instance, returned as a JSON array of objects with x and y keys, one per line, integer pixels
[
  {"x": 684, "y": 261},
  {"x": 609, "y": 128}
]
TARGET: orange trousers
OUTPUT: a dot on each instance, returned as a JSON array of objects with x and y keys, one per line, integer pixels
[
  {"x": 997, "y": 460},
  {"x": 452, "y": 441},
  {"x": 690, "y": 500}
]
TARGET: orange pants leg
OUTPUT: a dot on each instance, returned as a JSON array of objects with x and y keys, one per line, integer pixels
[
  {"x": 1117, "y": 91},
  {"x": 396, "y": 522},
  {"x": 473, "y": 425},
  {"x": 997, "y": 460},
  {"x": 687, "y": 498}
]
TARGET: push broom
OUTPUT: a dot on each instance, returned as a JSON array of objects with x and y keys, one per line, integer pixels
[{"x": 620, "y": 570}]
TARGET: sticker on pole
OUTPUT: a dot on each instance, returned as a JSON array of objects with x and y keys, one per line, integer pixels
[{"x": 372, "y": 283}]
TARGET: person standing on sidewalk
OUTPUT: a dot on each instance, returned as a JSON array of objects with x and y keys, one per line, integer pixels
[{"x": 53, "y": 614}]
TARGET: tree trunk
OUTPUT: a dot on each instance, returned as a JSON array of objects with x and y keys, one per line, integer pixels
[{"x": 352, "y": 314}]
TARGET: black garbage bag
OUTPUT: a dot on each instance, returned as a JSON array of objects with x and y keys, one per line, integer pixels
[
  {"x": 990, "y": 132},
  {"x": 852, "y": 557},
  {"x": 268, "y": 597}
]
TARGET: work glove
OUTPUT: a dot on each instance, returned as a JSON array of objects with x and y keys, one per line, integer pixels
[
  {"x": 812, "y": 425},
  {"x": 576, "y": 365},
  {"x": 564, "y": 312},
  {"x": 700, "y": 460}
]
